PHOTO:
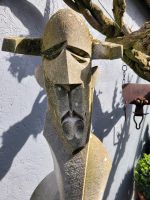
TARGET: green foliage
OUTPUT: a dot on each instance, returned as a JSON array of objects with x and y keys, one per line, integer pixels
[{"x": 142, "y": 176}]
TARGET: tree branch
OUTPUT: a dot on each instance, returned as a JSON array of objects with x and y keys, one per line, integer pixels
[
  {"x": 107, "y": 26},
  {"x": 72, "y": 5},
  {"x": 88, "y": 16},
  {"x": 139, "y": 63},
  {"x": 119, "y": 7},
  {"x": 139, "y": 40},
  {"x": 94, "y": 15}
]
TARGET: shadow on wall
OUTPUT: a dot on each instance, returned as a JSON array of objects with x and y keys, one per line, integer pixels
[
  {"x": 29, "y": 15},
  {"x": 108, "y": 119},
  {"x": 126, "y": 187},
  {"x": 125, "y": 191},
  {"x": 141, "y": 8},
  {"x": 144, "y": 144},
  {"x": 17, "y": 135},
  {"x": 21, "y": 67},
  {"x": 121, "y": 146}
]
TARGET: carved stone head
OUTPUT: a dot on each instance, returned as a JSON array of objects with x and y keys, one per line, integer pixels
[{"x": 67, "y": 50}]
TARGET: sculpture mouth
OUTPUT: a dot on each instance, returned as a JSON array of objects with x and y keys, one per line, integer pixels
[{"x": 73, "y": 125}]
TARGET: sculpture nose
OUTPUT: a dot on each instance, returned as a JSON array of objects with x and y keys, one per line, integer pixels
[{"x": 73, "y": 69}]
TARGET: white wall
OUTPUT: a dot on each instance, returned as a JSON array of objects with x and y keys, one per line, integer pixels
[{"x": 25, "y": 157}]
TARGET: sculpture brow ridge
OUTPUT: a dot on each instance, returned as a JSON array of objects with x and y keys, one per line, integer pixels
[{"x": 54, "y": 48}]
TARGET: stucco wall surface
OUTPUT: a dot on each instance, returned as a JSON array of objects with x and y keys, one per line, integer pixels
[{"x": 25, "y": 158}]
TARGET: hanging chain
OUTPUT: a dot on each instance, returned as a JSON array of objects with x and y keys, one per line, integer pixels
[{"x": 124, "y": 69}]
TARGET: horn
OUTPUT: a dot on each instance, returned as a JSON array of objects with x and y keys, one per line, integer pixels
[
  {"x": 22, "y": 45},
  {"x": 106, "y": 50}
]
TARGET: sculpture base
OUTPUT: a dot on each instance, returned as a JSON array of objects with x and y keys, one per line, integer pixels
[
  {"x": 47, "y": 189},
  {"x": 91, "y": 166}
]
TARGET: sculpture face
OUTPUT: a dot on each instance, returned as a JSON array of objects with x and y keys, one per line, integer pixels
[{"x": 67, "y": 47}]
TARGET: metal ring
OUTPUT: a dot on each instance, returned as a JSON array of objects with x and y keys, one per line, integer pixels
[{"x": 124, "y": 68}]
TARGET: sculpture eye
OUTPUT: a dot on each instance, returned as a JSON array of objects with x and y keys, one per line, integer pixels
[
  {"x": 51, "y": 56},
  {"x": 80, "y": 55},
  {"x": 54, "y": 51},
  {"x": 78, "y": 52}
]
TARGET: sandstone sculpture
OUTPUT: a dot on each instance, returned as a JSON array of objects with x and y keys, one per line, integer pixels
[{"x": 82, "y": 164}]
